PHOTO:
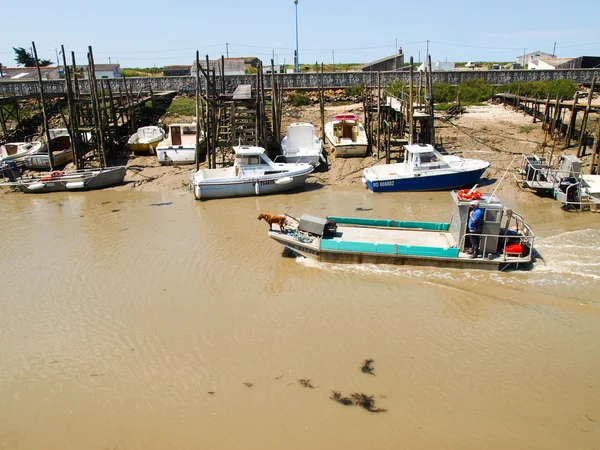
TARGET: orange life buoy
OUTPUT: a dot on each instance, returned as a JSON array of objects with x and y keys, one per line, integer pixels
[
  {"x": 51, "y": 175},
  {"x": 466, "y": 194}
]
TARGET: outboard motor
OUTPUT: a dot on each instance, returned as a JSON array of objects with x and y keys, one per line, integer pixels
[
  {"x": 10, "y": 171},
  {"x": 568, "y": 186},
  {"x": 317, "y": 226}
]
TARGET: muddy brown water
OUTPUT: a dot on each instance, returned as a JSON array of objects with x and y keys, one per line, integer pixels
[{"x": 120, "y": 311}]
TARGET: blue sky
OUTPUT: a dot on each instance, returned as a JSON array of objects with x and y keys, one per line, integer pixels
[{"x": 156, "y": 33}]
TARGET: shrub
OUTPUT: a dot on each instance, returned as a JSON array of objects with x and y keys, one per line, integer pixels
[
  {"x": 298, "y": 99},
  {"x": 443, "y": 93},
  {"x": 354, "y": 90}
]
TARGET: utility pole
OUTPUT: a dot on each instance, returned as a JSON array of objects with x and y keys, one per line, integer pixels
[
  {"x": 524, "y": 62},
  {"x": 333, "y": 56},
  {"x": 396, "y": 46},
  {"x": 554, "y": 50},
  {"x": 227, "y": 48},
  {"x": 297, "y": 55}
]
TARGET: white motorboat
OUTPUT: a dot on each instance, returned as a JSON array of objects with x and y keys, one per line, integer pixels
[
  {"x": 347, "y": 135},
  {"x": 16, "y": 151},
  {"x": 424, "y": 169},
  {"x": 300, "y": 144},
  {"x": 62, "y": 151},
  {"x": 180, "y": 145},
  {"x": 146, "y": 139},
  {"x": 253, "y": 173}
]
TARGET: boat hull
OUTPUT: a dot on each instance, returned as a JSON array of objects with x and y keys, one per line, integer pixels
[
  {"x": 143, "y": 147},
  {"x": 427, "y": 182},
  {"x": 76, "y": 181},
  {"x": 461, "y": 261},
  {"x": 42, "y": 161},
  {"x": 176, "y": 155},
  {"x": 245, "y": 188}
]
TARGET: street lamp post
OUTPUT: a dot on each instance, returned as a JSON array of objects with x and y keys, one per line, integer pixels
[{"x": 296, "y": 68}]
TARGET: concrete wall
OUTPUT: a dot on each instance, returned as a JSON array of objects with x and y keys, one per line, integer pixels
[{"x": 186, "y": 84}]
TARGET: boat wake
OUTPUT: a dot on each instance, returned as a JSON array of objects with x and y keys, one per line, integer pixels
[{"x": 568, "y": 263}]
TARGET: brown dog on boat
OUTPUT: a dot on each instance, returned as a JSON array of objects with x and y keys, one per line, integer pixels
[{"x": 271, "y": 219}]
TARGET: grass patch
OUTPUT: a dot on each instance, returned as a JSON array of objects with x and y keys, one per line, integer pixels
[
  {"x": 141, "y": 72},
  {"x": 182, "y": 107}
]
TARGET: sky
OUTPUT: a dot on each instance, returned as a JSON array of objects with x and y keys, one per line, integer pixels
[{"x": 153, "y": 33}]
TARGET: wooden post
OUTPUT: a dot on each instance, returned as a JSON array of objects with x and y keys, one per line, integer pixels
[
  {"x": 214, "y": 122},
  {"x": 420, "y": 93},
  {"x": 572, "y": 121},
  {"x": 431, "y": 112},
  {"x": 209, "y": 118},
  {"x": 458, "y": 99},
  {"x": 37, "y": 64},
  {"x": 94, "y": 91},
  {"x": 595, "y": 152},
  {"x": 72, "y": 112},
  {"x": 197, "y": 155},
  {"x": 258, "y": 118},
  {"x": 222, "y": 74},
  {"x": 273, "y": 105},
  {"x": 410, "y": 106},
  {"x": 556, "y": 114},
  {"x": 378, "y": 111},
  {"x": 75, "y": 78},
  {"x": 585, "y": 119},
  {"x": 322, "y": 106},
  {"x": 113, "y": 113}
]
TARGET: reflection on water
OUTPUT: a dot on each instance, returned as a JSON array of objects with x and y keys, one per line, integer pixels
[{"x": 120, "y": 312}]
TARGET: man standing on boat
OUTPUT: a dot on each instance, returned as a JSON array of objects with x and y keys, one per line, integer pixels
[{"x": 474, "y": 228}]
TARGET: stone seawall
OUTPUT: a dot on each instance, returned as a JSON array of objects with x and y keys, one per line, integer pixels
[{"x": 187, "y": 84}]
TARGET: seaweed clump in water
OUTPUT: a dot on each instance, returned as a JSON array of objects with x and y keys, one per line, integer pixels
[{"x": 367, "y": 366}]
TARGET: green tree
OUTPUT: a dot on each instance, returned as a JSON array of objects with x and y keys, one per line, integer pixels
[{"x": 24, "y": 58}]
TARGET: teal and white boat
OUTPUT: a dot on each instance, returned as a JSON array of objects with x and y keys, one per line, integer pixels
[{"x": 506, "y": 240}]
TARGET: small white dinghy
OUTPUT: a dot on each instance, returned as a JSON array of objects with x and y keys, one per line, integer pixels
[
  {"x": 347, "y": 135},
  {"x": 301, "y": 145},
  {"x": 180, "y": 145},
  {"x": 253, "y": 173},
  {"x": 146, "y": 139}
]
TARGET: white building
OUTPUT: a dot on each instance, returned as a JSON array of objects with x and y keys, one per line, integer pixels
[
  {"x": 555, "y": 63},
  {"x": 102, "y": 71},
  {"x": 233, "y": 66},
  {"x": 532, "y": 58}
]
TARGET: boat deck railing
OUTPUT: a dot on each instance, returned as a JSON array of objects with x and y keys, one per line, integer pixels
[{"x": 522, "y": 232}]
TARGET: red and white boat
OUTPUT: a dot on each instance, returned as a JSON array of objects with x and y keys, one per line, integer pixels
[{"x": 347, "y": 135}]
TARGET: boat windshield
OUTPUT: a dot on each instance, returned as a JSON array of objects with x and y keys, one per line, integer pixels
[{"x": 251, "y": 160}]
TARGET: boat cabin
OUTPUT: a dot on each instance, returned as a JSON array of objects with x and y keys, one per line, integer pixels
[
  {"x": 300, "y": 135},
  {"x": 346, "y": 127},
  {"x": 498, "y": 223},
  {"x": 252, "y": 159},
  {"x": 422, "y": 157},
  {"x": 180, "y": 133}
]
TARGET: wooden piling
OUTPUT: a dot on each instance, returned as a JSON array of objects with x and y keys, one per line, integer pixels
[
  {"x": 197, "y": 155},
  {"x": 74, "y": 120},
  {"x": 431, "y": 110},
  {"x": 378, "y": 111},
  {"x": 410, "y": 105},
  {"x": 322, "y": 105},
  {"x": 546, "y": 113},
  {"x": 595, "y": 149},
  {"x": 37, "y": 65},
  {"x": 94, "y": 91},
  {"x": 586, "y": 114},
  {"x": 572, "y": 121}
]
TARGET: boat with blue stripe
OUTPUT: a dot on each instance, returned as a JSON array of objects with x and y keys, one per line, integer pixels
[
  {"x": 424, "y": 169},
  {"x": 505, "y": 239}
]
